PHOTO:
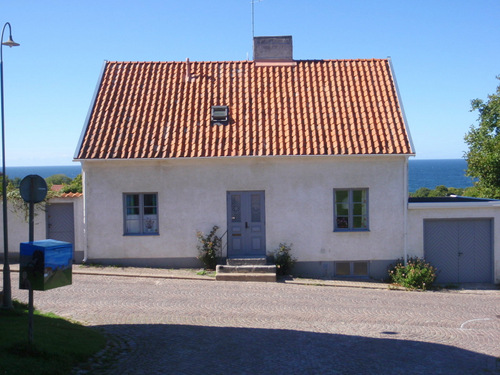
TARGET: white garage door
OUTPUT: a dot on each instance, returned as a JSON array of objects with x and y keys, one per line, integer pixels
[{"x": 461, "y": 249}]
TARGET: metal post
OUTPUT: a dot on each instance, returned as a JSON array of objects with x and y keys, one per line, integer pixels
[
  {"x": 30, "y": 313},
  {"x": 31, "y": 212},
  {"x": 7, "y": 291}
]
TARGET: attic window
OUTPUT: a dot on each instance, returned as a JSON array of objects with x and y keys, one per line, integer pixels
[{"x": 219, "y": 113}]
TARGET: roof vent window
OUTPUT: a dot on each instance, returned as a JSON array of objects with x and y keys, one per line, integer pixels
[{"x": 220, "y": 113}]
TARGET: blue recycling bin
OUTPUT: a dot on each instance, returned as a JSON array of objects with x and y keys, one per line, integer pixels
[{"x": 47, "y": 264}]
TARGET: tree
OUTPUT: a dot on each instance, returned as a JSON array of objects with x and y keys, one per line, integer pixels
[
  {"x": 58, "y": 179},
  {"x": 421, "y": 193},
  {"x": 75, "y": 186},
  {"x": 439, "y": 191},
  {"x": 483, "y": 157}
]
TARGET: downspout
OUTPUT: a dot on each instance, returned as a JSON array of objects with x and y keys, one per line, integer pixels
[
  {"x": 405, "y": 212},
  {"x": 85, "y": 229}
]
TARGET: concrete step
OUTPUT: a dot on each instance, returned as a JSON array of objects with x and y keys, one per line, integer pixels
[
  {"x": 261, "y": 277},
  {"x": 246, "y": 273},
  {"x": 246, "y": 261},
  {"x": 246, "y": 269}
]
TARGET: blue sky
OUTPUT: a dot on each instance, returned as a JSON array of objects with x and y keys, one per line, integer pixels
[{"x": 444, "y": 53}]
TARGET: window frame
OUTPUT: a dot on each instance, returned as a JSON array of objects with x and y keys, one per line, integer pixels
[
  {"x": 142, "y": 215},
  {"x": 350, "y": 213}
]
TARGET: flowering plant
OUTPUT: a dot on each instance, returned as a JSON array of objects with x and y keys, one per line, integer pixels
[
  {"x": 283, "y": 259},
  {"x": 417, "y": 274},
  {"x": 209, "y": 248}
]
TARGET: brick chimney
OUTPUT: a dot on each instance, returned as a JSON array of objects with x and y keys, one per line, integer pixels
[{"x": 273, "y": 50}]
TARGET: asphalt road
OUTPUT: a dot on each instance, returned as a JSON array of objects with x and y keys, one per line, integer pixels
[{"x": 165, "y": 326}]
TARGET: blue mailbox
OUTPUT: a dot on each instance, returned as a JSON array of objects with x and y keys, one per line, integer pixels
[{"x": 47, "y": 264}]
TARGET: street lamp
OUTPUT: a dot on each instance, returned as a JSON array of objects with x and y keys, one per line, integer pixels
[{"x": 7, "y": 292}]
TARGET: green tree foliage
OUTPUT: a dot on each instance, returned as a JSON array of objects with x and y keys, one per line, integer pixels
[
  {"x": 16, "y": 182},
  {"x": 75, "y": 186},
  {"x": 439, "y": 191},
  {"x": 11, "y": 184},
  {"x": 58, "y": 179},
  {"x": 483, "y": 157}
]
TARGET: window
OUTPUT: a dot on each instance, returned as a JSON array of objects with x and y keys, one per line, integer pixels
[
  {"x": 351, "y": 209},
  {"x": 141, "y": 213}
]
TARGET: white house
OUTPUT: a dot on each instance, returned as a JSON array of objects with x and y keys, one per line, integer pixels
[
  {"x": 312, "y": 153},
  {"x": 309, "y": 152}
]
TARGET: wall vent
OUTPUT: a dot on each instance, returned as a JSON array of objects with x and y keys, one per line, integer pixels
[
  {"x": 357, "y": 268},
  {"x": 219, "y": 113}
]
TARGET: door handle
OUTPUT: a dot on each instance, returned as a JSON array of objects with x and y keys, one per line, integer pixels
[
  {"x": 246, "y": 224},
  {"x": 459, "y": 253}
]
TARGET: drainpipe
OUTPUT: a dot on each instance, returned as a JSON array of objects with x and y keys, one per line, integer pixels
[
  {"x": 405, "y": 213},
  {"x": 85, "y": 229}
]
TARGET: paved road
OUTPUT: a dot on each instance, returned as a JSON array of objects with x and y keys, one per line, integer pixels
[{"x": 166, "y": 326}]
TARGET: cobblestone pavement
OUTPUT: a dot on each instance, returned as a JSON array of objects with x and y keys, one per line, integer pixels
[{"x": 183, "y": 326}]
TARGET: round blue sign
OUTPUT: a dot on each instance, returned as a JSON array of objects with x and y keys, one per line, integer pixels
[{"x": 33, "y": 188}]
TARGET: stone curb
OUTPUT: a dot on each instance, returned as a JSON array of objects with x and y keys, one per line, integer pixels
[
  {"x": 182, "y": 274},
  {"x": 187, "y": 274}
]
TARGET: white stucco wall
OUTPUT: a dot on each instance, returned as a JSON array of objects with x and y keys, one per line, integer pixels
[
  {"x": 298, "y": 204},
  {"x": 418, "y": 212},
  {"x": 18, "y": 229}
]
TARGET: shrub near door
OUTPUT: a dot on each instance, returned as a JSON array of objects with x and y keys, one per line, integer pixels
[{"x": 209, "y": 248}]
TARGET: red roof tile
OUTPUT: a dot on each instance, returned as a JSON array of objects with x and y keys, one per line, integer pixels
[
  {"x": 320, "y": 107},
  {"x": 56, "y": 187},
  {"x": 71, "y": 195}
]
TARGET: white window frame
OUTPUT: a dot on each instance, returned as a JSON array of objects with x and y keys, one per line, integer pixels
[
  {"x": 350, "y": 211},
  {"x": 142, "y": 223}
]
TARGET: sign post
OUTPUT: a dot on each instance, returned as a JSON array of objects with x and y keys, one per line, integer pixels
[{"x": 33, "y": 189}]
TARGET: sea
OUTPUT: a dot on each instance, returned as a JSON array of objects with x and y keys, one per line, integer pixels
[
  {"x": 427, "y": 173},
  {"x": 430, "y": 173}
]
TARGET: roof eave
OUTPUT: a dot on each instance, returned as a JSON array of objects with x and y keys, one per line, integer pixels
[
  {"x": 400, "y": 102},
  {"x": 89, "y": 113}
]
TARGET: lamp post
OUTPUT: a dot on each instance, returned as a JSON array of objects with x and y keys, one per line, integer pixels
[{"x": 7, "y": 292}]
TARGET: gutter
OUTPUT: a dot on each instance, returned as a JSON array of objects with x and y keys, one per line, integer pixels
[
  {"x": 451, "y": 205},
  {"x": 244, "y": 157}
]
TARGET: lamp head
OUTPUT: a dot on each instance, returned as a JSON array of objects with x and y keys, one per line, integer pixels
[{"x": 10, "y": 42}]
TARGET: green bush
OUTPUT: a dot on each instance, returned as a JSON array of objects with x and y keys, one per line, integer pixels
[
  {"x": 283, "y": 259},
  {"x": 417, "y": 274},
  {"x": 209, "y": 248}
]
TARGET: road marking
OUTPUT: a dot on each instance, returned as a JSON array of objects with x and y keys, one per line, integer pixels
[{"x": 472, "y": 320}]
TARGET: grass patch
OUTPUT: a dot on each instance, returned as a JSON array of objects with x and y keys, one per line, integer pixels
[
  {"x": 98, "y": 265},
  {"x": 206, "y": 273},
  {"x": 58, "y": 345}
]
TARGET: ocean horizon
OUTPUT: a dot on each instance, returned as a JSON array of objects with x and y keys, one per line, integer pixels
[
  {"x": 44, "y": 171},
  {"x": 430, "y": 173},
  {"x": 427, "y": 173}
]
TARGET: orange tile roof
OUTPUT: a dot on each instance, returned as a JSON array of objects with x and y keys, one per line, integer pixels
[
  {"x": 56, "y": 187},
  {"x": 71, "y": 195},
  {"x": 317, "y": 107}
]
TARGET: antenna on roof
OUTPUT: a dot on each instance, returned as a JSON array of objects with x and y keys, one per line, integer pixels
[{"x": 253, "y": 16}]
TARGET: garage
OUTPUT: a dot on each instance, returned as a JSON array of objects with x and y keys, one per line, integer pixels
[{"x": 461, "y": 249}]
